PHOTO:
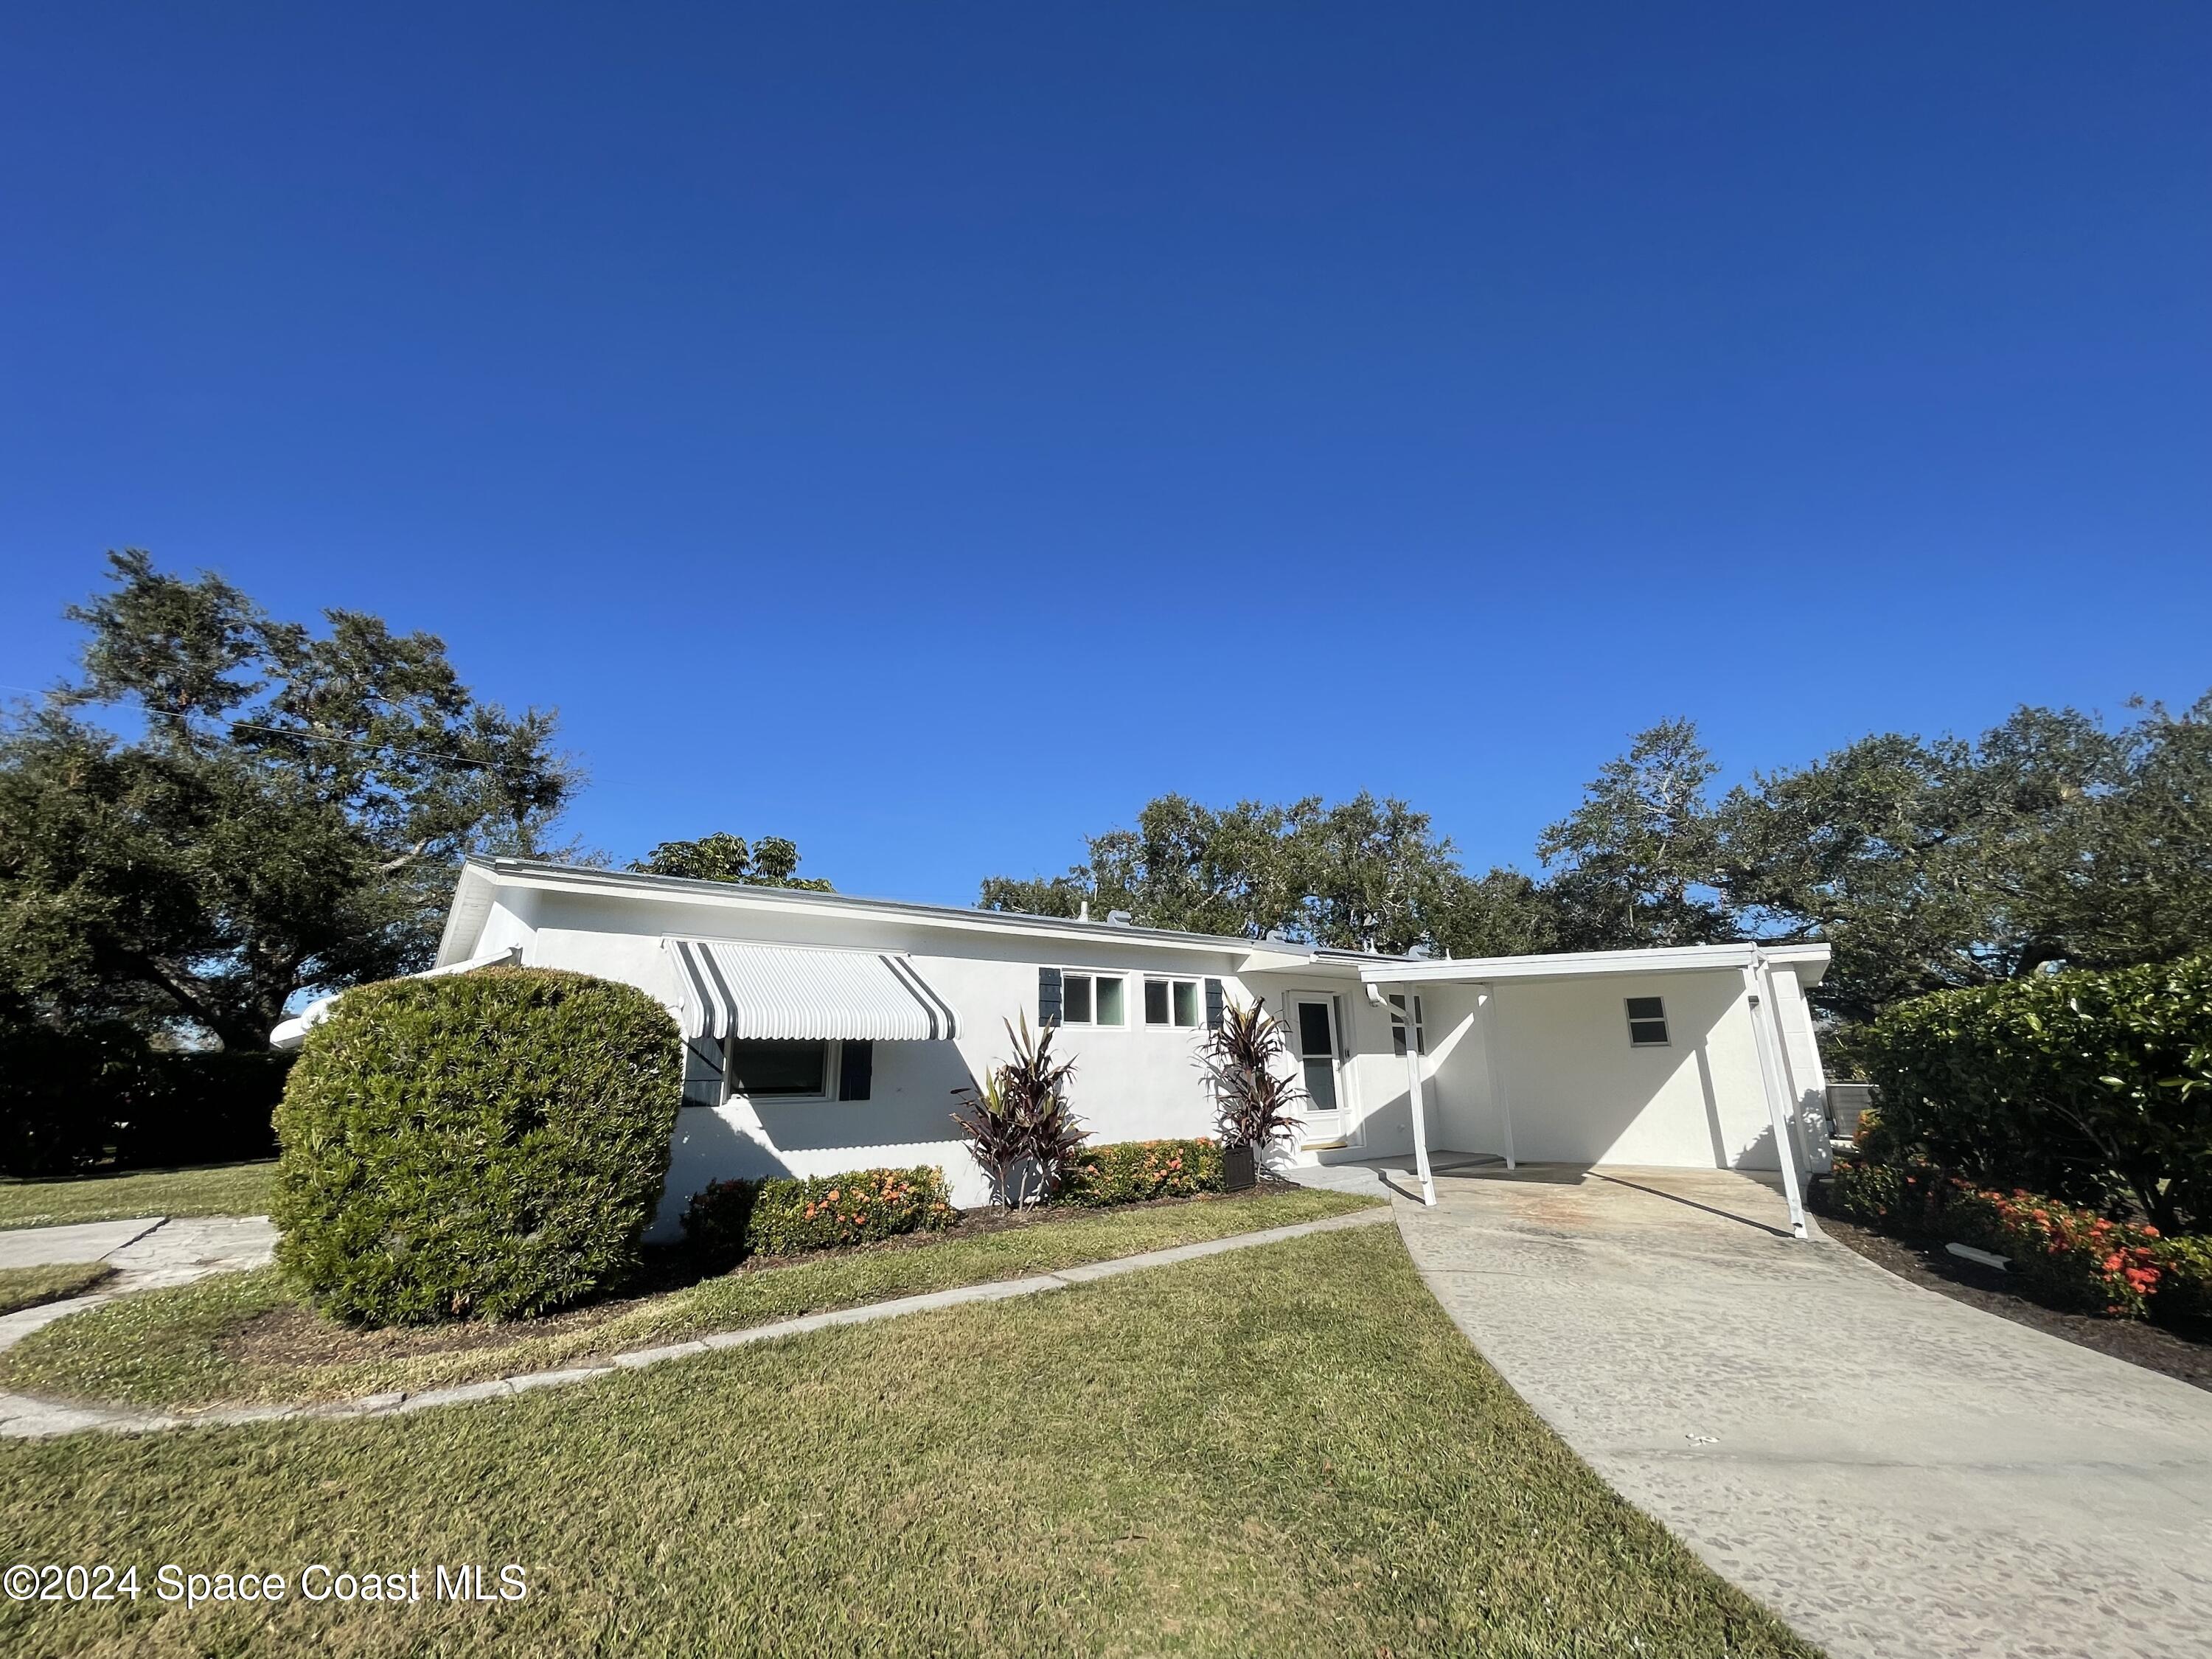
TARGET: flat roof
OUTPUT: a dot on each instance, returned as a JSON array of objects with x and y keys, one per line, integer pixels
[
  {"x": 480, "y": 877},
  {"x": 468, "y": 909},
  {"x": 1809, "y": 962}
]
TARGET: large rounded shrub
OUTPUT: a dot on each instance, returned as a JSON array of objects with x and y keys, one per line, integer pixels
[{"x": 488, "y": 1145}]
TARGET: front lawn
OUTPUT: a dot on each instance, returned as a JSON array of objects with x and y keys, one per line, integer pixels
[
  {"x": 1288, "y": 1450},
  {"x": 31, "y": 1288},
  {"x": 242, "y": 1337},
  {"x": 213, "y": 1189}
]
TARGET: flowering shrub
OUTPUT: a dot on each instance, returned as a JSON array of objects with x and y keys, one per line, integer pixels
[
  {"x": 729, "y": 1220},
  {"x": 1890, "y": 1198},
  {"x": 2070, "y": 1256},
  {"x": 2063, "y": 1254},
  {"x": 1130, "y": 1171}
]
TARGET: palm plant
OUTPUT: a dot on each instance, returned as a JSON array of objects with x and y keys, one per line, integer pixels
[
  {"x": 1019, "y": 1126},
  {"x": 1252, "y": 1099}
]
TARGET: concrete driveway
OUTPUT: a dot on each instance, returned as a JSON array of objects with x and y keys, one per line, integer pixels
[{"x": 1890, "y": 1471}]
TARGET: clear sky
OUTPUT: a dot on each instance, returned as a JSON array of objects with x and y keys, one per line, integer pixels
[{"x": 929, "y": 431}]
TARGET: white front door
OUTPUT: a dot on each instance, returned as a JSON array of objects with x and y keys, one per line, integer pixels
[{"x": 1325, "y": 1113}]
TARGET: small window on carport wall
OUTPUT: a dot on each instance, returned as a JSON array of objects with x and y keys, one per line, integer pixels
[
  {"x": 1398, "y": 1027},
  {"x": 1647, "y": 1022}
]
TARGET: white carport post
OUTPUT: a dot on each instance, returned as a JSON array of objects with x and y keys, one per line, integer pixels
[
  {"x": 1486, "y": 998},
  {"x": 1767, "y": 1037},
  {"x": 1412, "y": 1028}
]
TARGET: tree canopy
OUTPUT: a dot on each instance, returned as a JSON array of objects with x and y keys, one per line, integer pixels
[
  {"x": 2051, "y": 840},
  {"x": 771, "y": 861},
  {"x": 262, "y": 808},
  {"x": 1363, "y": 874}
]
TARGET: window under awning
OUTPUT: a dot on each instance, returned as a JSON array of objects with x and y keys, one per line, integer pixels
[{"x": 768, "y": 993}]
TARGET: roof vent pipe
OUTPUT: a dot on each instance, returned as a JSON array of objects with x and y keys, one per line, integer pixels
[{"x": 1119, "y": 918}]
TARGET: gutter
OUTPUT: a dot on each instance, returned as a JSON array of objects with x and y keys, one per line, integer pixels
[{"x": 287, "y": 1037}]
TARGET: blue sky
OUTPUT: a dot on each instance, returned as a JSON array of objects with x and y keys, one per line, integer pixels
[{"x": 929, "y": 432}]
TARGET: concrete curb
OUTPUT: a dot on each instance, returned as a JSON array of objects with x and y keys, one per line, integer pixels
[{"x": 25, "y": 1417}]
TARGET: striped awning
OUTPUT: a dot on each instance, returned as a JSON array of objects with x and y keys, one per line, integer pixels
[{"x": 789, "y": 992}]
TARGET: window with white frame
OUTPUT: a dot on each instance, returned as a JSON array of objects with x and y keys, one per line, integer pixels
[
  {"x": 782, "y": 1070},
  {"x": 786, "y": 1071},
  {"x": 1171, "y": 1002},
  {"x": 1093, "y": 1000},
  {"x": 1647, "y": 1022},
  {"x": 1398, "y": 1028}
]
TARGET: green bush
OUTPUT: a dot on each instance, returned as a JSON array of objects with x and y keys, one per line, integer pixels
[
  {"x": 1130, "y": 1171},
  {"x": 203, "y": 1108},
  {"x": 98, "y": 1098},
  {"x": 61, "y": 1093},
  {"x": 486, "y": 1144},
  {"x": 1890, "y": 1198},
  {"x": 2185, "y": 1284},
  {"x": 2085, "y": 1086},
  {"x": 727, "y": 1221}
]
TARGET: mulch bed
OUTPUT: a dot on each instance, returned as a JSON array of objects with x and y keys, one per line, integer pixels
[
  {"x": 2155, "y": 1347},
  {"x": 300, "y": 1336}
]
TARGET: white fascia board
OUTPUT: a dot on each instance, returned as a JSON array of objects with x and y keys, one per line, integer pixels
[
  {"x": 293, "y": 1032},
  {"x": 1253, "y": 955},
  {"x": 465, "y": 916},
  {"x": 1809, "y": 962}
]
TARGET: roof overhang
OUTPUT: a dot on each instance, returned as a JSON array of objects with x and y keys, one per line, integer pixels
[
  {"x": 1809, "y": 962},
  {"x": 481, "y": 879}
]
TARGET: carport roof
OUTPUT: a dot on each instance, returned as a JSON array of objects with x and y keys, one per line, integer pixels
[{"x": 1809, "y": 962}]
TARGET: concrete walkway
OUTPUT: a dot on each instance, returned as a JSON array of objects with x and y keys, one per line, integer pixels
[
  {"x": 1890, "y": 1471},
  {"x": 23, "y": 1417},
  {"x": 146, "y": 1254}
]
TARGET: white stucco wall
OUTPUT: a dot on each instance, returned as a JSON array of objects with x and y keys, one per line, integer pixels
[
  {"x": 1580, "y": 1093},
  {"x": 1132, "y": 1083}
]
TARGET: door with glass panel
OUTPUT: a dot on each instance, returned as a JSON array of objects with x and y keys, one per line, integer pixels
[{"x": 1320, "y": 1073}]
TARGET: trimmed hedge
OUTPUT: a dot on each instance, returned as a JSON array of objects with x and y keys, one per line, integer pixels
[
  {"x": 2081, "y": 1084},
  {"x": 204, "y": 1109},
  {"x": 1130, "y": 1171},
  {"x": 60, "y": 1092},
  {"x": 727, "y": 1221},
  {"x": 2062, "y": 1254},
  {"x": 486, "y": 1144},
  {"x": 98, "y": 1097}
]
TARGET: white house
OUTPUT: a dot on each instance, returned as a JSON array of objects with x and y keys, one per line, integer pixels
[{"x": 825, "y": 1033}]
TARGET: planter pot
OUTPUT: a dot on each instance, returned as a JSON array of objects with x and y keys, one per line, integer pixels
[{"x": 1239, "y": 1170}]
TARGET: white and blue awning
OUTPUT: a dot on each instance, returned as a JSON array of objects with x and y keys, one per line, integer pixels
[{"x": 786, "y": 992}]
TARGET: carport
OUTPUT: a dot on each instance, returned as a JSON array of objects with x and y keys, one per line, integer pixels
[{"x": 1784, "y": 1092}]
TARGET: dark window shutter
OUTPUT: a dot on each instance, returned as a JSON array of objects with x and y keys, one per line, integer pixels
[
  {"x": 1047, "y": 996},
  {"x": 856, "y": 1070},
  {"x": 702, "y": 1072},
  {"x": 1214, "y": 999}
]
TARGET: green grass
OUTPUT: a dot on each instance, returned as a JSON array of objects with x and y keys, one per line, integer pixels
[
  {"x": 1287, "y": 1451},
  {"x": 168, "y": 1348},
  {"x": 216, "y": 1189},
  {"x": 28, "y": 1287}
]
